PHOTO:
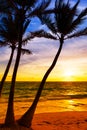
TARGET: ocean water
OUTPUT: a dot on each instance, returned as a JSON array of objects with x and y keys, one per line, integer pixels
[{"x": 56, "y": 97}]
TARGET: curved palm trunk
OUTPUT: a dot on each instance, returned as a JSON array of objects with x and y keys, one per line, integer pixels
[
  {"x": 10, "y": 119},
  {"x": 7, "y": 70},
  {"x": 26, "y": 119}
]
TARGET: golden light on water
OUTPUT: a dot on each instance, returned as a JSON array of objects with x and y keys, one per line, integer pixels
[{"x": 71, "y": 102}]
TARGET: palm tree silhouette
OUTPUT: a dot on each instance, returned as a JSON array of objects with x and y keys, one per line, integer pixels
[
  {"x": 65, "y": 21},
  {"x": 22, "y": 9},
  {"x": 9, "y": 37}
]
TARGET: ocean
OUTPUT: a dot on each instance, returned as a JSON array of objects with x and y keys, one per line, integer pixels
[{"x": 56, "y": 97}]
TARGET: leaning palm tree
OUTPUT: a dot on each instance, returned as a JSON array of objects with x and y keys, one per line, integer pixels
[
  {"x": 65, "y": 21},
  {"x": 7, "y": 68},
  {"x": 22, "y": 9},
  {"x": 9, "y": 37}
]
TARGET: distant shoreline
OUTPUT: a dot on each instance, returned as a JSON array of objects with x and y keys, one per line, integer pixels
[{"x": 48, "y": 81}]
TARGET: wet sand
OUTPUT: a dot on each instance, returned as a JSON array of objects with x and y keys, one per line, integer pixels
[{"x": 57, "y": 121}]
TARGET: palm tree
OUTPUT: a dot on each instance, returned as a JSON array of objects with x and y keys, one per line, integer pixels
[
  {"x": 65, "y": 21},
  {"x": 22, "y": 10},
  {"x": 7, "y": 69},
  {"x": 9, "y": 37},
  {"x": 8, "y": 33}
]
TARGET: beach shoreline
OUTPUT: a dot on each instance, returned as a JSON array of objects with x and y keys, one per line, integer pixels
[{"x": 70, "y": 120}]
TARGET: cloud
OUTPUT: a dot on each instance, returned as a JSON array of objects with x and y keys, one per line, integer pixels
[
  {"x": 73, "y": 56},
  {"x": 76, "y": 47}
]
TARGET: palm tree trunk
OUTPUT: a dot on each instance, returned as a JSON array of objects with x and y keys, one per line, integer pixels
[
  {"x": 10, "y": 120},
  {"x": 7, "y": 70},
  {"x": 26, "y": 119}
]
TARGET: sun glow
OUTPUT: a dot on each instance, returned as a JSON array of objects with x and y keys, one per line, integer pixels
[{"x": 69, "y": 75}]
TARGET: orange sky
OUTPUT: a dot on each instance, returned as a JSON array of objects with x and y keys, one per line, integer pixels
[{"x": 71, "y": 65}]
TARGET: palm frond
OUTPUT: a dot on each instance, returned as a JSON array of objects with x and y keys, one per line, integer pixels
[
  {"x": 25, "y": 51},
  {"x": 79, "y": 20},
  {"x": 78, "y": 34},
  {"x": 44, "y": 34},
  {"x": 9, "y": 29},
  {"x": 31, "y": 3},
  {"x": 27, "y": 22},
  {"x": 41, "y": 9},
  {"x": 61, "y": 15},
  {"x": 73, "y": 11},
  {"x": 44, "y": 5},
  {"x": 40, "y": 33},
  {"x": 48, "y": 20},
  {"x": 83, "y": 13},
  {"x": 12, "y": 4},
  {"x": 71, "y": 15},
  {"x": 3, "y": 33},
  {"x": 59, "y": 3},
  {"x": 28, "y": 37},
  {"x": 75, "y": 6},
  {"x": 65, "y": 15},
  {"x": 27, "y": 5}
]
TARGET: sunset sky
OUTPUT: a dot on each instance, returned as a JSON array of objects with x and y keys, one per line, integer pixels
[{"x": 71, "y": 65}]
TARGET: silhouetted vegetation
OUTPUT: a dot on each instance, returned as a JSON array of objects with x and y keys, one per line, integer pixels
[
  {"x": 62, "y": 24},
  {"x": 63, "y": 21}
]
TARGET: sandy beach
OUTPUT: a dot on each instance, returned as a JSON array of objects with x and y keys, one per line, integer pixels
[{"x": 57, "y": 121}]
